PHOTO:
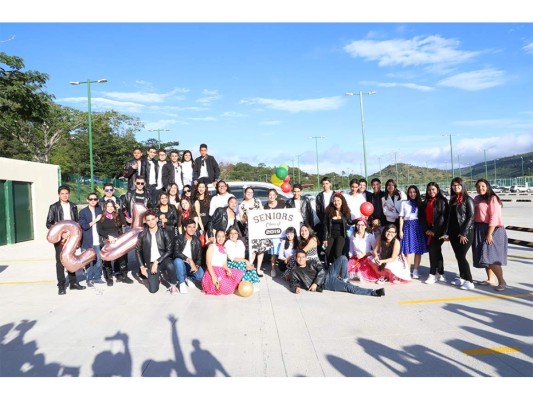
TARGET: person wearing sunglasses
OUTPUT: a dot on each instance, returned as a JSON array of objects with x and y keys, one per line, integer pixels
[
  {"x": 89, "y": 216},
  {"x": 140, "y": 196},
  {"x": 109, "y": 194},
  {"x": 205, "y": 168},
  {"x": 136, "y": 167}
]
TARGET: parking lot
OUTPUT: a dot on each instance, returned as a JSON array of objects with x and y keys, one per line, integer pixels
[{"x": 416, "y": 330}]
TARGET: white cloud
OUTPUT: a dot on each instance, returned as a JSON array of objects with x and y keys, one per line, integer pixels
[
  {"x": 145, "y": 97},
  {"x": 209, "y": 96},
  {"x": 269, "y": 122},
  {"x": 321, "y": 104},
  {"x": 99, "y": 103},
  {"x": 420, "y": 50},
  {"x": 232, "y": 114},
  {"x": 498, "y": 123},
  {"x": 528, "y": 48},
  {"x": 202, "y": 119},
  {"x": 407, "y": 85},
  {"x": 475, "y": 80}
]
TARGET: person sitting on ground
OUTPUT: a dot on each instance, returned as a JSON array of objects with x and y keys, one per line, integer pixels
[
  {"x": 310, "y": 275},
  {"x": 236, "y": 251},
  {"x": 188, "y": 256}
]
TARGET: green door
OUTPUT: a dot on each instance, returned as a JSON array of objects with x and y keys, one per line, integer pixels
[
  {"x": 3, "y": 219},
  {"x": 22, "y": 211}
]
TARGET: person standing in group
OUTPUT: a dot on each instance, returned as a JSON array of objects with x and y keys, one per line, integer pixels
[
  {"x": 205, "y": 168},
  {"x": 187, "y": 192},
  {"x": 221, "y": 198},
  {"x": 188, "y": 256},
  {"x": 89, "y": 216},
  {"x": 136, "y": 167},
  {"x": 167, "y": 215},
  {"x": 489, "y": 247},
  {"x": 302, "y": 204},
  {"x": 151, "y": 171},
  {"x": 110, "y": 228},
  {"x": 392, "y": 202},
  {"x": 271, "y": 204},
  {"x": 202, "y": 201},
  {"x": 460, "y": 230},
  {"x": 173, "y": 195},
  {"x": 362, "y": 190},
  {"x": 187, "y": 168},
  {"x": 361, "y": 245},
  {"x": 109, "y": 194},
  {"x": 220, "y": 279},
  {"x": 354, "y": 199},
  {"x": 172, "y": 172},
  {"x": 63, "y": 210},
  {"x": 138, "y": 196},
  {"x": 377, "y": 219},
  {"x": 307, "y": 242},
  {"x": 434, "y": 221},
  {"x": 161, "y": 162},
  {"x": 336, "y": 222},
  {"x": 388, "y": 263},
  {"x": 236, "y": 252},
  {"x": 259, "y": 246},
  {"x": 224, "y": 218},
  {"x": 411, "y": 231},
  {"x": 186, "y": 211},
  {"x": 154, "y": 253},
  {"x": 287, "y": 250},
  {"x": 322, "y": 201}
]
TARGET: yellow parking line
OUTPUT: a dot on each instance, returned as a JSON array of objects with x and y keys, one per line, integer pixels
[
  {"x": 27, "y": 283},
  {"x": 454, "y": 299},
  {"x": 491, "y": 350}
]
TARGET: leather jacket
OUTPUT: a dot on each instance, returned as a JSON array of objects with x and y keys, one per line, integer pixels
[
  {"x": 55, "y": 213},
  {"x": 169, "y": 177},
  {"x": 129, "y": 199},
  {"x": 321, "y": 207},
  {"x": 219, "y": 221},
  {"x": 171, "y": 214},
  {"x": 440, "y": 217},
  {"x": 305, "y": 209},
  {"x": 375, "y": 199},
  {"x": 213, "y": 170},
  {"x": 86, "y": 218},
  {"x": 144, "y": 246},
  {"x": 131, "y": 173},
  {"x": 118, "y": 201},
  {"x": 196, "y": 248},
  {"x": 328, "y": 223},
  {"x": 464, "y": 214},
  {"x": 303, "y": 278}
]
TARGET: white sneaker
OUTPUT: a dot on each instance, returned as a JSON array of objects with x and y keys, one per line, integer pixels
[
  {"x": 431, "y": 279},
  {"x": 273, "y": 273},
  {"x": 183, "y": 288},
  {"x": 458, "y": 282},
  {"x": 381, "y": 281},
  {"x": 467, "y": 285},
  {"x": 440, "y": 278},
  {"x": 415, "y": 274}
]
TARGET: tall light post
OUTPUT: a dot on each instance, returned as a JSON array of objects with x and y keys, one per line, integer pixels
[
  {"x": 361, "y": 94},
  {"x": 486, "y": 171},
  {"x": 396, "y": 166},
  {"x": 298, "y": 158},
  {"x": 316, "y": 146},
  {"x": 158, "y": 135},
  {"x": 380, "y": 178},
  {"x": 459, "y": 162},
  {"x": 495, "y": 171},
  {"x": 522, "y": 165},
  {"x": 451, "y": 152},
  {"x": 91, "y": 161}
]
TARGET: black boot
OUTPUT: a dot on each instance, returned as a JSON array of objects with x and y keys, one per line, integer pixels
[
  {"x": 378, "y": 292},
  {"x": 124, "y": 274},
  {"x": 61, "y": 290},
  {"x": 108, "y": 275},
  {"x": 76, "y": 286}
]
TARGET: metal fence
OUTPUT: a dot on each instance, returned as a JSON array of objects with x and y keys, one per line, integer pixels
[{"x": 80, "y": 185}]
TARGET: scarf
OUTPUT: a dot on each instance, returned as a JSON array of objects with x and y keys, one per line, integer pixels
[
  {"x": 459, "y": 199},
  {"x": 412, "y": 203},
  {"x": 185, "y": 214},
  {"x": 429, "y": 210},
  {"x": 109, "y": 215},
  {"x": 221, "y": 248}
]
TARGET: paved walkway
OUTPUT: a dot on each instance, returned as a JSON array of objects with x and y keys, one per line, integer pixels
[{"x": 416, "y": 330}]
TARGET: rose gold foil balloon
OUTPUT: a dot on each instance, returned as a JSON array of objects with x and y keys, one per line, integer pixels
[
  {"x": 245, "y": 289},
  {"x": 68, "y": 258},
  {"x": 127, "y": 242}
]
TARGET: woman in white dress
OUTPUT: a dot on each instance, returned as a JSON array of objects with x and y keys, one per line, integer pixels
[{"x": 186, "y": 168}]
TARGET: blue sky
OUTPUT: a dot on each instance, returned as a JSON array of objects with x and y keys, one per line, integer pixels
[{"x": 258, "y": 92}]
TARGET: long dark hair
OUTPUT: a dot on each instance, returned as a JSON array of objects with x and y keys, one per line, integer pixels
[
  {"x": 207, "y": 196},
  {"x": 303, "y": 242},
  {"x": 115, "y": 215},
  {"x": 439, "y": 192},
  {"x": 345, "y": 210},
  {"x": 395, "y": 192},
  {"x": 490, "y": 193},
  {"x": 295, "y": 240},
  {"x": 453, "y": 195},
  {"x": 418, "y": 198},
  {"x": 386, "y": 249},
  {"x": 183, "y": 156}
]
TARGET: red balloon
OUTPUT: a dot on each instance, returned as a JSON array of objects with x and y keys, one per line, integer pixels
[
  {"x": 285, "y": 187},
  {"x": 366, "y": 209},
  {"x": 287, "y": 179}
]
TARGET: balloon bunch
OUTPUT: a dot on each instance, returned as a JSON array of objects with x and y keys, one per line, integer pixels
[{"x": 281, "y": 178}]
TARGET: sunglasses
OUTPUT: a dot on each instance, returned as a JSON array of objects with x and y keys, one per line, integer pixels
[
  {"x": 108, "y": 190},
  {"x": 93, "y": 199},
  {"x": 139, "y": 183},
  {"x": 186, "y": 191}
]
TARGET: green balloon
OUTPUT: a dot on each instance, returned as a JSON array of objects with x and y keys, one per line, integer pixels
[
  {"x": 281, "y": 173},
  {"x": 285, "y": 166}
]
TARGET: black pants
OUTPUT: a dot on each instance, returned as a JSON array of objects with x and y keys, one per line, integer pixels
[
  {"x": 460, "y": 251},
  {"x": 60, "y": 269},
  {"x": 436, "y": 262},
  {"x": 335, "y": 248}
]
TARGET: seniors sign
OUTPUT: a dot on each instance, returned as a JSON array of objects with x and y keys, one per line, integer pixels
[{"x": 271, "y": 224}]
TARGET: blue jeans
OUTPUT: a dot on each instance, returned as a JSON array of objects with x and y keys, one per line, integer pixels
[
  {"x": 336, "y": 284},
  {"x": 183, "y": 268},
  {"x": 94, "y": 269},
  {"x": 153, "y": 279}
]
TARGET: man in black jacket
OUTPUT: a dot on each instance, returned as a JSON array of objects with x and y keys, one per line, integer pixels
[
  {"x": 302, "y": 203},
  {"x": 188, "y": 256},
  {"x": 139, "y": 195},
  {"x": 63, "y": 210},
  {"x": 323, "y": 199},
  {"x": 135, "y": 167},
  {"x": 377, "y": 218},
  {"x": 205, "y": 168},
  {"x": 151, "y": 170},
  {"x": 310, "y": 275},
  {"x": 155, "y": 257},
  {"x": 172, "y": 172}
]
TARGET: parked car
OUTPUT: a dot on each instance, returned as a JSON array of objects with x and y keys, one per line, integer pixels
[
  {"x": 497, "y": 189},
  {"x": 520, "y": 188},
  {"x": 260, "y": 190}
]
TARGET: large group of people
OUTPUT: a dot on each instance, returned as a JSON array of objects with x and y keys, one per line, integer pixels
[{"x": 190, "y": 237}]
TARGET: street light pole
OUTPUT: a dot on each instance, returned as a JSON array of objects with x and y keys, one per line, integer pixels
[
  {"x": 522, "y": 165},
  {"x": 158, "y": 135},
  {"x": 316, "y": 146},
  {"x": 360, "y": 94},
  {"x": 396, "y": 166},
  {"x": 459, "y": 162},
  {"x": 451, "y": 153},
  {"x": 486, "y": 171},
  {"x": 380, "y": 178},
  {"x": 90, "y": 123},
  {"x": 299, "y": 175}
]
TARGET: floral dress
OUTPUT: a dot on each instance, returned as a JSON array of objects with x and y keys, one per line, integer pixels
[{"x": 236, "y": 250}]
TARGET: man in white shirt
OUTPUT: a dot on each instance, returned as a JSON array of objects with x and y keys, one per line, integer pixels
[
  {"x": 151, "y": 169},
  {"x": 172, "y": 171},
  {"x": 188, "y": 256},
  {"x": 89, "y": 216},
  {"x": 161, "y": 162},
  {"x": 322, "y": 201}
]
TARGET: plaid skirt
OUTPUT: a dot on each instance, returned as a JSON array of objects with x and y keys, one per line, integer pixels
[{"x": 484, "y": 254}]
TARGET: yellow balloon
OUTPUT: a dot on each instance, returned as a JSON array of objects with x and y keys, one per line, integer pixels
[
  {"x": 275, "y": 180},
  {"x": 245, "y": 289}
]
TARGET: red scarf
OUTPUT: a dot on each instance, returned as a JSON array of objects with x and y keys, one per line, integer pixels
[
  {"x": 429, "y": 211},
  {"x": 185, "y": 214},
  {"x": 459, "y": 199}
]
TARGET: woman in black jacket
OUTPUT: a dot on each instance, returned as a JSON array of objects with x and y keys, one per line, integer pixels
[
  {"x": 434, "y": 218},
  {"x": 223, "y": 218},
  {"x": 167, "y": 215},
  {"x": 460, "y": 230},
  {"x": 336, "y": 223}
]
